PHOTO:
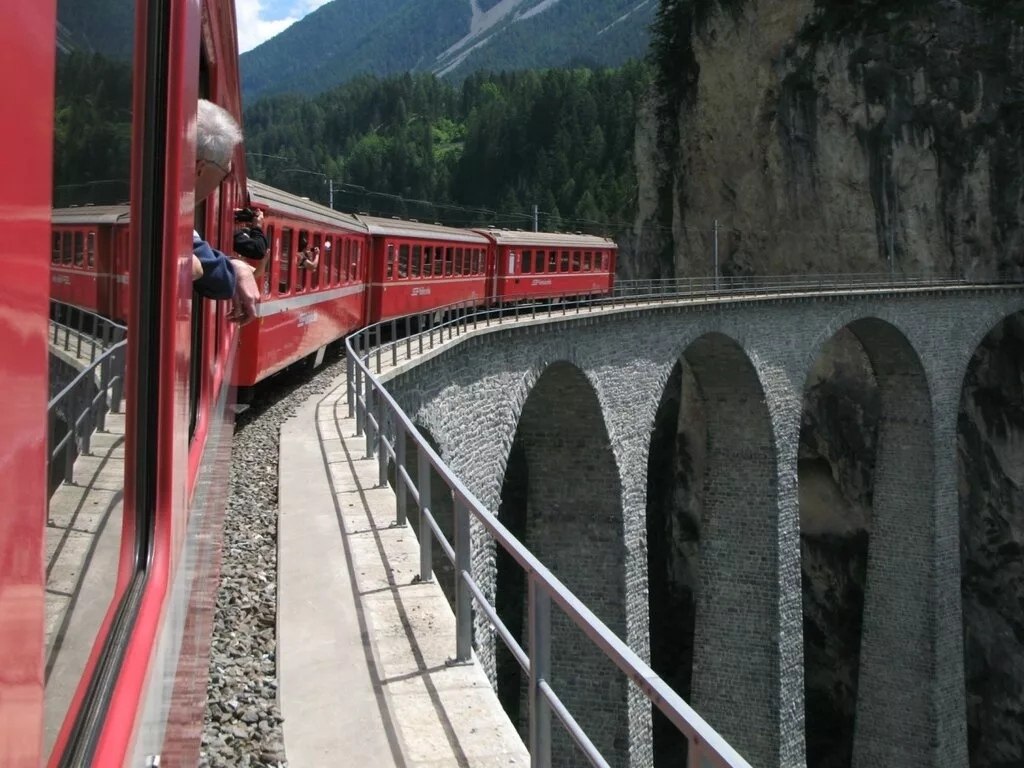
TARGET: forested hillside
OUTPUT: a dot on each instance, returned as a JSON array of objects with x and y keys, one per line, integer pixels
[
  {"x": 484, "y": 152},
  {"x": 347, "y": 38}
]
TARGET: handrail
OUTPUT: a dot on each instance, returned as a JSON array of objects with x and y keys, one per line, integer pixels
[
  {"x": 85, "y": 402},
  {"x": 87, "y": 327},
  {"x": 372, "y": 406}
]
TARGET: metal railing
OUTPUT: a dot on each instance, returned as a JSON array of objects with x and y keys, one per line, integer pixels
[
  {"x": 373, "y": 408},
  {"x": 402, "y": 338},
  {"x": 97, "y": 389},
  {"x": 74, "y": 329}
]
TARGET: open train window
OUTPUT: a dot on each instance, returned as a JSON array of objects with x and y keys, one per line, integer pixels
[
  {"x": 263, "y": 271},
  {"x": 527, "y": 261},
  {"x": 449, "y": 257},
  {"x": 339, "y": 256},
  {"x": 284, "y": 264},
  {"x": 417, "y": 256},
  {"x": 320, "y": 257},
  {"x": 565, "y": 261},
  {"x": 403, "y": 261},
  {"x": 55, "y": 258},
  {"x": 65, "y": 253},
  {"x": 391, "y": 262},
  {"x": 552, "y": 261},
  {"x": 588, "y": 261},
  {"x": 90, "y": 249}
]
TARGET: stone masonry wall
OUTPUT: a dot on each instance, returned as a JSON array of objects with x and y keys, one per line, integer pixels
[{"x": 471, "y": 397}]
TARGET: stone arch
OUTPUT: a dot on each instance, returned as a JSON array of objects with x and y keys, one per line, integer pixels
[
  {"x": 990, "y": 473},
  {"x": 735, "y": 495},
  {"x": 893, "y": 663},
  {"x": 569, "y": 514}
]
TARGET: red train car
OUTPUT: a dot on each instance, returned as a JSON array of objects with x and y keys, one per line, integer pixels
[
  {"x": 303, "y": 307},
  {"x": 533, "y": 265},
  {"x": 89, "y": 259},
  {"x": 417, "y": 267},
  {"x": 105, "y": 614}
]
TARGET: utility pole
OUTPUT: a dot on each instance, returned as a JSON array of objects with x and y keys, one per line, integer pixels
[
  {"x": 535, "y": 225},
  {"x": 330, "y": 193},
  {"x": 716, "y": 254}
]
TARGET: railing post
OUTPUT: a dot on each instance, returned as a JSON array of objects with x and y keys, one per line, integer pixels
[
  {"x": 360, "y": 409},
  {"x": 463, "y": 597},
  {"x": 540, "y": 666},
  {"x": 382, "y": 452},
  {"x": 368, "y": 396},
  {"x": 101, "y": 417},
  {"x": 426, "y": 534},
  {"x": 394, "y": 342},
  {"x": 408, "y": 337},
  {"x": 401, "y": 492},
  {"x": 420, "y": 334},
  {"x": 350, "y": 381}
]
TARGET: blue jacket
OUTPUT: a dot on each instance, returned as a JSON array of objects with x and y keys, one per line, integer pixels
[{"x": 218, "y": 280}]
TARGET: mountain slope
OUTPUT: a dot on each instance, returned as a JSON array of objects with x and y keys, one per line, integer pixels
[{"x": 451, "y": 38}]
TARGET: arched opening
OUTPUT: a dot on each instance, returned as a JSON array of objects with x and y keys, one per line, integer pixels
[
  {"x": 990, "y": 443},
  {"x": 711, "y": 535},
  {"x": 675, "y": 470},
  {"x": 561, "y": 496},
  {"x": 866, "y": 465},
  {"x": 838, "y": 442}
]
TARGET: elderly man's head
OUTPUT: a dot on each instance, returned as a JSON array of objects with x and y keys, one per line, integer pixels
[{"x": 217, "y": 135}]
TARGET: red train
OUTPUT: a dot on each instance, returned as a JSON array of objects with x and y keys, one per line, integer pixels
[{"x": 369, "y": 269}]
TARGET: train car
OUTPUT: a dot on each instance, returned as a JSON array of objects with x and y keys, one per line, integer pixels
[
  {"x": 304, "y": 306},
  {"x": 548, "y": 265},
  {"x": 106, "y": 607},
  {"x": 417, "y": 267},
  {"x": 89, "y": 259}
]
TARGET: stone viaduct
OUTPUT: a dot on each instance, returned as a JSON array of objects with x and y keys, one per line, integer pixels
[{"x": 578, "y": 396}]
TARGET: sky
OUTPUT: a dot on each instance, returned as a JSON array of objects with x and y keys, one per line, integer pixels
[{"x": 259, "y": 20}]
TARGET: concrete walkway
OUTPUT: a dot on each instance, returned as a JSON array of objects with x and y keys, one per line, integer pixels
[{"x": 362, "y": 649}]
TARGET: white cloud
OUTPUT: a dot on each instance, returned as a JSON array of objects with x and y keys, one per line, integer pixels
[{"x": 260, "y": 20}]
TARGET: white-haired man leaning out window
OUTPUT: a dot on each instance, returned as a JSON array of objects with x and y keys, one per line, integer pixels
[{"x": 214, "y": 275}]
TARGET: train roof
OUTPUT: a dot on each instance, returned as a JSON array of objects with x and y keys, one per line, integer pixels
[
  {"x": 418, "y": 229},
  {"x": 91, "y": 214},
  {"x": 280, "y": 201},
  {"x": 545, "y": 239}
]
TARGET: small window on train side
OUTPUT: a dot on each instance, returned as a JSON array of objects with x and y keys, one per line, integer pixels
[
  {"x": 90, "y": 250},
  {"x": 565, "y": 261},
  {"x": 303, "y": 255},
  {"x": 449, "y": 258},
  {"x": 479, "y": 255},
  {"x": 428, "y": 261},
  {"x": 55, "y": 258},
  {"x": 284, "y": 275},
  {"x": 403, "y": 262},
  {"x": 337, "y": 246},
  {"x": 527, "y": 261},
  {"x": 263, "y": 270},
  {"x": 65, "y": 253},
  {"x": 458, "y": 261},
  {"x": 552, "y": 261},
  {"x": 577, "y": 258},
  {"x": 79, "y": 249},
  {"x": 438, "y": 262},
  {"x": 346, "y": 270},
  {"x": 318, "y": 255},
  {"x": 417, "y": 258},
  {"x": 588, "y": 261},
  {"x": 391, "y": 262},
  {"x": 355, "y": 264}
]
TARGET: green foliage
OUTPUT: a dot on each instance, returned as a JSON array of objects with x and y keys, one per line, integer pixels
[{"x": 496, "y": 144}]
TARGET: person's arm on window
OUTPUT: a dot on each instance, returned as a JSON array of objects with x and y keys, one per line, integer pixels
[{"x": 218, "y": 276}]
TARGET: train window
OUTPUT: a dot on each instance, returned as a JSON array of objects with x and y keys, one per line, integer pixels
[
  {"x": 79, "y": 249},
  {"x": 449, "y": 258},
  {"x": 552, "y": 261},
  {"x": 478, "y": 261},
  {"x": 403, "y": 261},
  {"x": 337, "y": 251},
  {"x": 320, "y": 257},
  {"x": 303, "y": 254},
  {"x": 284, "y": 275},
  {"x": 565, "y": 261},
  {"x": 527, "y": 261},
  {"x": 438, "y": 261},
  {"x": 262, "y": 273},
  {"x": 417, "y": 256},
  {"x": 588, "y": 261},
  {"x": 428, "y": 261},
  {"x": 346, "y": 264},
  {"x": 391, "y": 262},
  {"x": 97, "y": 534},
  {"x": 576, "y": 260}
]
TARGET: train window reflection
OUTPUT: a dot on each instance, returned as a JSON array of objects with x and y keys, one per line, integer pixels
[{"x": 86, "y": 414}]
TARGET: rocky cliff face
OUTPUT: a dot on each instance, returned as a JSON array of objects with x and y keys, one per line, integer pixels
[{"x": 839, "y": 136}]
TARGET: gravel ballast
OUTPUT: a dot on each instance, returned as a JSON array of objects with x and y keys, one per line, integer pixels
[{"x": 243, "y": 723}]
